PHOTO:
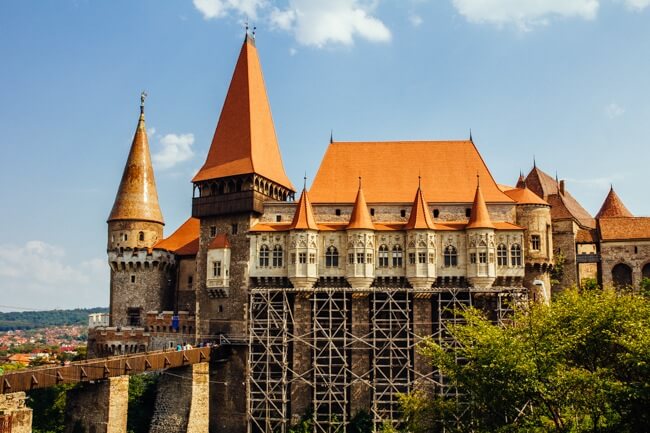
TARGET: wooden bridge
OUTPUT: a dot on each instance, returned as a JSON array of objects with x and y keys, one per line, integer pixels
[{"x": 100, "y": 368}]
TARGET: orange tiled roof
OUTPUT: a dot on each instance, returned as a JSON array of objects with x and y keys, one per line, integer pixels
[
  {"x": 137, "y": 198},
  {"x": 525, "y": 196},
  {"x": 388, "y": 226},
  {"x": 360, "y": 218},
  {"x": 613, "y": 207},
  {"x": 624, "y": 228},
  {"x": 184, "y": 241},
  {"x": 419, "y": 217},
  {"x": 586, "y": 236},
  {"x": 389, "y": 172},
  {"x": 480, "y": 217},
  {"x": 303, "y": 219},
  {"x": 562, "y": 205},
  {"x": 219, "y": 241},
  {"x": 244, "y": 140}
]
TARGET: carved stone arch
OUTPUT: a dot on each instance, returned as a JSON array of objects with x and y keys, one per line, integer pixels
[
  {"x": 645, "y": 271},
  {"x": 257, "y": 184},
  {"x": 622, "y": 275},
  {"x": 411, "y": 244}
]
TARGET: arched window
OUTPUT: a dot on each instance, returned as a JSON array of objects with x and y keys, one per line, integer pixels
[
  {"x": 451, "y": 256},
  {"x": 141, "y": 236},
  {"x": 277, "y": 256},
  {"x": 622, "y": 275},
  {"x": 382, "y": 257},
  {"x": 264, "y": 256},
  {"x": 332, "y": 257},
  {"x": 515, "y": 255},
  {"x": 397, "y": 256},
  {"x": 502, "y": 255}
]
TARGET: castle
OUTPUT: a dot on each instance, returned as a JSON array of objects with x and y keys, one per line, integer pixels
[{"x": 317, "y": 304}]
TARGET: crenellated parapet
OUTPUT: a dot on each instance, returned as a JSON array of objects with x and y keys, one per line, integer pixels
[{"x": 138, "y": 260}]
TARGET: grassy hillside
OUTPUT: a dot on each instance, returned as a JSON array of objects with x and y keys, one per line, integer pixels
[{"x": 43, "y": 319}]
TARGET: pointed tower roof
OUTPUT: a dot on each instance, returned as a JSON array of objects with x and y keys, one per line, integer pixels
[
  {"x": 420, "y": 217},
  {"x": 521, "y": 182},
  {"x": 244, "y": 141},
  {"x": 480, "y": 217},
  {"x": 613, "y": 206},
  {"x": 137, "y": 198},
  {"x": 304, "y": 219},
  {"x": 360, "y": 218}
]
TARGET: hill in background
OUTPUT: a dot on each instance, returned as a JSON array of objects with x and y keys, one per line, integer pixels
[{"x": 43, "y": 319}]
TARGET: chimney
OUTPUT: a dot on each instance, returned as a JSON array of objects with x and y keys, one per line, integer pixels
[{"x": 562, "y": 187}]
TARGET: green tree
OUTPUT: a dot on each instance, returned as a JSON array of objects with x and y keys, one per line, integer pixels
[
  {"x": 581, "y": 364},
  {"x": 142, "y": 401}
]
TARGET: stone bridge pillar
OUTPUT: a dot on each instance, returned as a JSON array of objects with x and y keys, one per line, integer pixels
[
  {"x": 15, "y": 417},
  {"x": 183, "y": 400},
  {"x": 100, "y": 407}
]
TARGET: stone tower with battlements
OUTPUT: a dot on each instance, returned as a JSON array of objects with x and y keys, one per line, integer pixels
[{"x": 141, "y": 278}]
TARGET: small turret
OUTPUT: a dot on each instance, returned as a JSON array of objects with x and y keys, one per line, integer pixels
[
  {"x": 303, "y": 245},
  {"x": 481, "y": 267},
  {"x": 613, "y": 207},
  {"x": 360, "y": 271},
  {"x": 420, "y": 244}
]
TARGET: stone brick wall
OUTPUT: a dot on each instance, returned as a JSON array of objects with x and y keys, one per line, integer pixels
[
  {"x": 108, "y": 341},
  {"x": 13, "y": 406},
  {"x": 301, "y": 392},
  {"x": 101, "y": 407},
  {"x": 186, "y": 294},
  {"x": 564, "y": 235},
  {"x": 153, "y": 232},
  {"x": 182, "y": 401},
  {"x": 635, "y": 254},
  {"x": 360, "y": 394},
  {"x": 422, "y": 327}
]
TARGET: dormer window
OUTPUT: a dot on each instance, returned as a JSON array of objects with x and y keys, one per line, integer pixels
[
  {"x": 402, "y": 213},
  {"x": 468, "y": 212},
  {"x": 436, "y": 213}
]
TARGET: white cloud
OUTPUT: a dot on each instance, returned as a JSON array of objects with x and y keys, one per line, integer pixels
[
  {"x": 638, "y": 5},
  {"x": 292, "y": 51},
  {"x": 38, "y": 275},
  {"x": 614, "y": 110},
  {"x": 318, "y": 23},
  {"x": 415, "y": 20},
  {"x": 211, "y": 9},
  {"x": 175, "y": 148},
  {"x": 526, "y": 13}
]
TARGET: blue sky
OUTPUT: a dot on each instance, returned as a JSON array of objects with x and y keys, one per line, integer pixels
[{"x": 564, "y": 81}]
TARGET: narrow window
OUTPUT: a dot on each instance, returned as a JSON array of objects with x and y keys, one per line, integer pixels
[
  {"x": 216, "y": 268},
  {"x": 234, "y": 229},
  {"x": 369, "y": 258},
  {"x": 411, "y": 258},
  {"x": 293, "y": 258},
  {"x": 535, "y": 242},
  {"x": 338, "y": 212},
  {"x": 277, "y": 256},
  {"x": 515, "y": 255},
  {"x": 468, "y": 212},
  {"x": 312, "y": 258},
  {"x": 482, "y": 257},
  {"x": 397, "y": 256},
  {"x": 502, "y": 255},
  {"x": 382, "y": 257},
  {"x": 402, "y": 213},
  {"x": 190, "y": 280},
  {"x": 264, "y": 256},
  {"x": 278, "y": 218},
  {"x": 472, "y": 258},
  {"x": 436, "y": 213},
  {"x": 432, "y": 259},
  {"x": 133, "y": 278},
  {"x": 351, "y": 258},
  {"x": 372, "y": 211},
  {"x": 422, "y": 258},
  {"x": 141, "y": 236},
  {"x": 126, "y": 237},
  {"x": 332, "y": 257},
  {"x": 302, "y": 258},
  {"x": 361, "y": 258},
  {"x": 221, "y": 308},
  {"x": 636, "y": 250},
  {"x": 451, "y": 256},
  {"x": 213, "y": 231}
]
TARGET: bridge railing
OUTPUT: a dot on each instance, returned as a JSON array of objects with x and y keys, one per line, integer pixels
[{"x": 100, "y": 368}]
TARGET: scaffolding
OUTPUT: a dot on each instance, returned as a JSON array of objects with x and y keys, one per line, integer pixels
[{"x": 389, "y": 343}]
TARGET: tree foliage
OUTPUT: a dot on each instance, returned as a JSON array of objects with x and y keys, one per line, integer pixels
[
  {"x": 581, "y": 364},
  {"x": 42, "y": 319}
]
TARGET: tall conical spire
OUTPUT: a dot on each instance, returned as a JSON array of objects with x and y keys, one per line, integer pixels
[
  {"x": 521, "y": 182},
  {"x": 420, "y": 217},
  {"x": 480, "y": 217},
  {"x": 244, "y": 141},
  {"x": 304, "y": 219},
  {"x": 613, "y": 206},
  {"x": 137, "y": 198},
  {"x": 360, "y": 218}
]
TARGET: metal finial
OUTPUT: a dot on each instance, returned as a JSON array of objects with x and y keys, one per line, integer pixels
[
  {"x": 305, "y": 181},
  {"x": 254, "y": 29},
  {"x": 478, "y": 180},
  {"x": 419, "y": 181},
  {"x": 534, "y": 162},
  {"x": 359, "y": 182},
  {"x": 143, "y": 96},
  {"x": 470, "y": 135},
  {"x": 331, "y": 136}
]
